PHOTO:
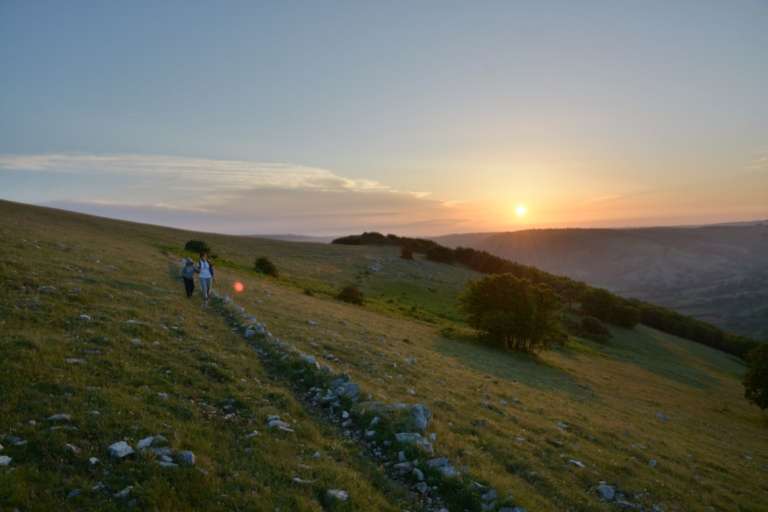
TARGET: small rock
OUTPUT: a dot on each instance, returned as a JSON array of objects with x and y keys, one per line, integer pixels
[
  {"x": 74, "y": 360},
  {"x": 302, "y": 481},
  {"x": 84, "y": 317},
  {"x": 145, "y": 443},
  {"x": 162, "y": 396},
  {"x": 311, "y": 322},
  {"x": 74, "y": 493},
  {"x": 135, "y": 342},
  {"x": 167, "y": 464},
  {"x": 422, "y": 487},
  {"x": 652, "y": 463},
  {"x": 662, "y": 417},
  {"x": 415, "y": 439},
  {"x": 93, "y": 461},
  {"x": 5, "y": 460},
  {"x": 606, "y": 492},
  {"x": 124, "y": 493},
  {"x": 186, "y": 457},
  {"x": 344, "y": 415},
  {"x": 252, "y": 434},
  {"x": 401, "y": 456},
  {"x": 418, "y": 474},
  {"x": 576, "y": 463},
  {"x": 120, "y": 450},
  {"x": 74, "y": 449},
  {"x": 337, "y": 495},
  {"x": 490, "y": 495}
]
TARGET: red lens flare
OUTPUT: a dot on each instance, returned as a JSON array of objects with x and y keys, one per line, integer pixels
[{"x": 238, "y": 286}]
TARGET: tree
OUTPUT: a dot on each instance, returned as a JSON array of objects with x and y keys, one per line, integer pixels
[
  {"x": 756, "y": 379},
  {"x": 512, "y": 312},
  {"x": 351, "y": 294},
  {"x": 265, "y": 266},
  {"x": 197, "y": 246},
  {"x": 406, "y": 253}
]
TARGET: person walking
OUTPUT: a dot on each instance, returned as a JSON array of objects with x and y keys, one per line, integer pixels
[
  {"x": 188, "y": 274},
  {"x": 205, "y": 269}
]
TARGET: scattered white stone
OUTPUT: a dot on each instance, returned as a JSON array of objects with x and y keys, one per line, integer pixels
[
  {"x": 302, "y": 481},
  {"x": 135, "y": 342},
  {"x": 252, "y": 434},
  {"x": 344, "y": 415},
  {"x": 145, "y": 443},
  {"x": 124, "y": 493},
  {"x": 74, "y": 449},
  {"x": 120, "y": 449},
  {"x": 652, "y": 463},
  {"x": 74, "y": 493},
  {"x": 316, "y": 455},
  {"x": 418, "y": 474},
  {"x": 5, "y": 460},
  {"x": 311, "y": 322},
  {"x": 163, "y": 395},
  {"x": 662, "y": 417},
  {"x": 74, "y": 360},
  {"x": 577, "y": 463},
  {"x": 85, "y": 318},
  {"x": 93, "y": 461},
  {"x": 337, "y": 495},
  {"x": 60, "y": 417}
]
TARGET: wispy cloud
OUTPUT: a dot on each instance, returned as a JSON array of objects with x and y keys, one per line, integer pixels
[{"x": 233, "y": 195}]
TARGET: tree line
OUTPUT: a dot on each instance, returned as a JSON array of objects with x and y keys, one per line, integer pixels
[{"x": 594, "y": 302}]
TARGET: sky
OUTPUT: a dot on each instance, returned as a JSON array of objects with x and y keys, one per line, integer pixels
[{"x": 418, "y": 118}]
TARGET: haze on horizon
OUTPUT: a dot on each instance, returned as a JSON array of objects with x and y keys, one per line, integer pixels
[{"x": 426, "y": 119}]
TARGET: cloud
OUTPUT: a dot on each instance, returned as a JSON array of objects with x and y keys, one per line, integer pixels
[{"x": 233, "y": 196}]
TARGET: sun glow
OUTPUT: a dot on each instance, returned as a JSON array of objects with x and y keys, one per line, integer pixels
[{"x": 521, "y": 210}]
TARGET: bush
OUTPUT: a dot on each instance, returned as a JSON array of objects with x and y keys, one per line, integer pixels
[
  {"x": 756, "y": 379},
  {"x": 512, "y": 312},
  {"x": 593, "y": 329},
  {"x": 441, "y": 255},
  {"x": 266, "y": 267},
  {"x": 197, "y": 246},
  {"x": 351, "y": 294},
  {"x": 610, "y": 308},
  {"x": 406, "y": 253}
]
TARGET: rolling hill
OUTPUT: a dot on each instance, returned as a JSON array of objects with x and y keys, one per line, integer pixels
[
  {"x": 99, "y": 345},
  {"x": 716, "y": 273}
]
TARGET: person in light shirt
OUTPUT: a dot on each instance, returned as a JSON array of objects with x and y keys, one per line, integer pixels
[{"x": 205, "y": 271}]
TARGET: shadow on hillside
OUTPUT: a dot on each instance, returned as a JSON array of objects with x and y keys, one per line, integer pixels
[
  {"x": 523, "y": 368},
  {"x": 645, "y": 348}
]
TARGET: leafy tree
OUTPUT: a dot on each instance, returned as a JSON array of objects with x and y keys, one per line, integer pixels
[
  {"x": 197, "y": 246},
  {"x": 512, "y": 312},
  {"x": 351, "y": 294},
  {"x": 265, "y": 266},
  {"x": 756, "y": 379}
]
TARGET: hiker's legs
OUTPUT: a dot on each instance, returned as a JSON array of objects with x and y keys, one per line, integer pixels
[
  {"x": 205, "y": 287},
  {"x": 189, "y": 285}
]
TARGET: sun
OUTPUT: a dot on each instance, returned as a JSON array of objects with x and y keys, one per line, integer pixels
[{"x": 521, "y": 210}]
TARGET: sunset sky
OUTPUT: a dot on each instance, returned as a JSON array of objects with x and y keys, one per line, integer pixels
[{"x": 420, "y": 118}]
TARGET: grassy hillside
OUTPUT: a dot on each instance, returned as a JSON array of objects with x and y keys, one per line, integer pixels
[{"x": 657, "y": 417}]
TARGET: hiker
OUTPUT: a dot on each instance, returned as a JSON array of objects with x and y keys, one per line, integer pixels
[
  {"x": 205, "y": 269},
  {"x": 188, "y": 273}
]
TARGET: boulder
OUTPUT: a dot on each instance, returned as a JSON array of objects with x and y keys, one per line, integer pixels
[
  {"x": 442, "y": 465},
  {"x": 120, "y": 450},
  {"x": 414, "y": 439},
  {"x": 606, "y": 492}
]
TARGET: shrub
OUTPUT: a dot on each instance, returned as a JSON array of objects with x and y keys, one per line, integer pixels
[
  {"x": 609, "y": 308},
  {"x": 441, "y": 254},
  {"x": 265, "y": 266},
  {"x": 351, "y": 294},
  {"x": 197, "y": 246},
  {"x": 592, "y": 328},
  {"x": 756, "y": 378},
  {"x": 512, "y": 312},
  {"x": 406, "y": 253}
]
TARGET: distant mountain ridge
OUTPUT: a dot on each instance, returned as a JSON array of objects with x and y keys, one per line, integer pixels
[{"x": 718, "y": 273}]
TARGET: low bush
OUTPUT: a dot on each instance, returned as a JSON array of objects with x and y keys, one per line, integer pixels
[
  {"x": 265, "y": 266},
  {"x": 351, "y": 294},
  {"x": 592, "y": 328},
  {"x": 197, "y": 246}
]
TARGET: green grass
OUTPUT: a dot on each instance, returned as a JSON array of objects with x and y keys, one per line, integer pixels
[{"x": 495, "y": 414}]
